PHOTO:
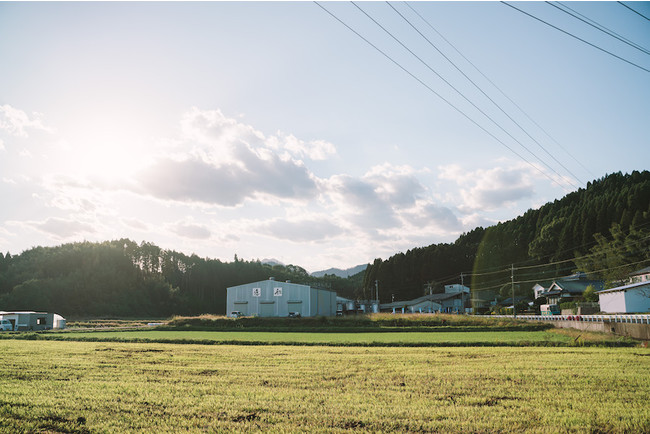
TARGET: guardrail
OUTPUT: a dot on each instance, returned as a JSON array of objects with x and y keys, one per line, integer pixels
[{"x": 633, "y": 319}]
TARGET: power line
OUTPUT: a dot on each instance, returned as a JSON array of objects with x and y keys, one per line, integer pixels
[
  {"x": 595, "y": 25},
  {"x": 633, "y": 10},
  {"x": 499, "y": 89},
  {"x": 576, "y": 37},
  {"x": 457, "y": 91},
  {"x": 595, "y": 271},
  {"x": 489, "y": 98},
  {"x": 555, "y": 278},
  {"x": 504, "y": 269},
  {"x": 437, "y": 94}
]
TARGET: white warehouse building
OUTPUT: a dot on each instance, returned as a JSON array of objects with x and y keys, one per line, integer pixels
[
  {"x": 634, "y": 298},
  {"x": 272, "y": 298}
]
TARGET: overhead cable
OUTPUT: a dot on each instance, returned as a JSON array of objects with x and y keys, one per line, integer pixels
[
  {"x": 506, "y": 282},
  {"x": 487, "y": 96},
  {"x": 591, "y": 272},
  {"x": 634, "y": 10},
  {"x": 504, "y": 269},
  {"x": 430, "y": 89},
  {"x": 499, "y": 89},
  {"x": 576, "y": 37},
  {"x": 564, "y": 8},
  {"x": 459, "y": 92}
]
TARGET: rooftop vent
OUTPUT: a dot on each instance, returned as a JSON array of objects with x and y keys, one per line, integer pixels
[{"x": 271, "y": 278}]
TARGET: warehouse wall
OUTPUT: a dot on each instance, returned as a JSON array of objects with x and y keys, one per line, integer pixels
[{"x": 273, "y": 298}]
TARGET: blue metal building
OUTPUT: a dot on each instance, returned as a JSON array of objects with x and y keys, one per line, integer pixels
[{"x": 270, "y": 298}]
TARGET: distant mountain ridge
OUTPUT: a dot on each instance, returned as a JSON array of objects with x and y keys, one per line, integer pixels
[{"x": 341, "y": 273}]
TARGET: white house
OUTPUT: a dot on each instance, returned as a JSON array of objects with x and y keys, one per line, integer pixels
[
  {"x": 538, "y": 290},
  {"x": 456, "y": 288},
  {"x": 633, "y": 298},
  {"x": 639, "y": 276}
]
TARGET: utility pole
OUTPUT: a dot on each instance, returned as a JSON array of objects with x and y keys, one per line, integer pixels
[
  {"x": 462, "y": 283},
  {"x": 377, "y": 292},
  {"x": 512, "y": 283}
]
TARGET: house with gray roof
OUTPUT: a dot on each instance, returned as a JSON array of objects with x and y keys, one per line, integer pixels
[{"x": 565, "y": 289}]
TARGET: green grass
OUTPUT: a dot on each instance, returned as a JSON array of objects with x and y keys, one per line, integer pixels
[
  {"x": 51, "y": 386},
  {"x": 480, "y": 338}
]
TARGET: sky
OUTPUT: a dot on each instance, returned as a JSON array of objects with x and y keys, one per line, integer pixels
[{"x": 272, "y": 131}]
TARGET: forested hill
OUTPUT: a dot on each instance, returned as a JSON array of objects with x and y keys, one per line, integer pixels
[
  {"x": 603, "y": 229},
  {"x": 123, "y": 278}
]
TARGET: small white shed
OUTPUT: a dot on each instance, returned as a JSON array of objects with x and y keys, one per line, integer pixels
[
  {"x": 634, "y": 298},
  {"x": 29, "y": 320}
]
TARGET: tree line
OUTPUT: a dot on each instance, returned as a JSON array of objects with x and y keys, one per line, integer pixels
[{"x": 126, "y": 279}]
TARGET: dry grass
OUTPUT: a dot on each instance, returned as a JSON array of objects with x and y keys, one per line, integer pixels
[{"x": 115, "y": 387}]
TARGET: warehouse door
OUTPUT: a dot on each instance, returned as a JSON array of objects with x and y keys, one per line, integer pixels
[
  {"x": 242, "y": 307},
  {"x": 267, "y": 309},
  {"x": 295, "y": 306}
]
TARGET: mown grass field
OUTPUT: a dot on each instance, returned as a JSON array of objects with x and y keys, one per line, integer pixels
[
  {"x": 476, "y": 338},
  {"x": 52, "y": 386}
]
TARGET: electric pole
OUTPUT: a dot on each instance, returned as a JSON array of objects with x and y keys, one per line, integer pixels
[
  {"x": 512, "y": 283},
  {"x": 377, "y": 292}
]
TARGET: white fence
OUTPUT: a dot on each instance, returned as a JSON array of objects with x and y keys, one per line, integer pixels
[{"x": 633, "y": 319}]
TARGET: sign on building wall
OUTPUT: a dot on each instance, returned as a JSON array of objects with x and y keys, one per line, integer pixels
[
  {"x": 277, "y": 292},
  {"x": 257, "y": 292}
]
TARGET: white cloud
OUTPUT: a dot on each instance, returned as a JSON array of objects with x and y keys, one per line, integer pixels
[
  {"x": 58, "y": 227},
  {"x": 475, "y": 220},
  {"x": 308, "y": 230},
  {"x": 191, "y": 230},
  {"x": 314, "y": 149},
  {"x": 431, "y": 215},
  {"x": 135, "y": 224},
  {"x": 376, "y": 200},
  {"x": 216, "y": 137},
  {"x": 227, "y": 185},
  {"x": 227, "y": 163},
  {"x": 490, "y": 189},
  {"x": 398, "y": 185},
  {"x": 357, "y": 202},
  {"x": 16, "y": 122}
]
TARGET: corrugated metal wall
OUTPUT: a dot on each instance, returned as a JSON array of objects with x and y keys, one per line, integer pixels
[{"x": 273, "y": 298}]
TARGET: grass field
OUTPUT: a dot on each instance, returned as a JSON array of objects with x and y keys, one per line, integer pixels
[
  {"x": 52, "y": 386},
  {"x": 479, "y": 338}
]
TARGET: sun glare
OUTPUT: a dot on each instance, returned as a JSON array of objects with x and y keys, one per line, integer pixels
[{"x": 107, "y": 151}]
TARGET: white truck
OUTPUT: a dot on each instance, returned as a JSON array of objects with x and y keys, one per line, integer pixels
[{"x": 6, "y": 325}]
